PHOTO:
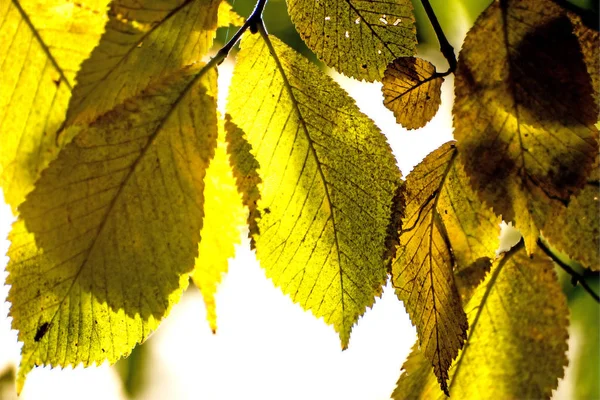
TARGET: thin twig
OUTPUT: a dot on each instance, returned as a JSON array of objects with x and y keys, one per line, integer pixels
[
  {"x": 576, "y": 277},
  {"x": 253, "y": 21},
  {"x": 445, "y": 46}
]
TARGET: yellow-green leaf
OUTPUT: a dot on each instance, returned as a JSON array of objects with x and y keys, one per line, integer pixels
[
  {"x": 42, "y": 44},
  {"x": 446, "y": 227},
  {"x": 143, "y": 40},
  {"x": 412, "y": 91},
  {"x": 517, "y": 337},
  {"x": 358, "y": 38},
  {"x": 245, "y": 170},
  {"x": 524, "y": 112},
  {"x": 575, "y": 230},
  {"x": 103, "y": 245},
  {"x": 416, "y": 378},
  {"x": 223, "y": 222},
  {"x": 329, "y": 182}
]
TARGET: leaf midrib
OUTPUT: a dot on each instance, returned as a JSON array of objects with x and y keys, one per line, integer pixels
[
  {"x": 113, "y": 202},
  {"x": 296, "y": 107}
]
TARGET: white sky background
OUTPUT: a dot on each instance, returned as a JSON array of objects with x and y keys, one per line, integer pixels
[{"x": 266, "y": 347}]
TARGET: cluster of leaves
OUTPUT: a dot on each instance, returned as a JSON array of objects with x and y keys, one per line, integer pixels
[{"x": 128, "y": 183}]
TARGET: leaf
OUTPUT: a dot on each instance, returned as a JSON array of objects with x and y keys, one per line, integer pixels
[
  {"x": 416, "y": 378},
  {"x": 412, "y": 91},
  {"x": 517, "y": 337},
  {"x": 329, "y": 183},
  {"x": 524, "y": 113},
  {"x": 445, "y": 228},
  {"x": 144, "y": 40},
  {"x": 589, "y": 44},
  {"x": 575, "y": 230},
  {"x": 519, "y": 321},
  {"x": 227, "y": 16},
  {"x": 103, "y": 245},
  {"x": 245, "y": 170},
  {"x": 358, "y": 38},
  {"x": 222, "y": 225},
  {"x": 42, "y": 44}
]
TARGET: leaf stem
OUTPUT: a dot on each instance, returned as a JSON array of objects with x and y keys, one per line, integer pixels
[
  {"x": 576, "y": 277},
  {"x": 445, "y": 46}
]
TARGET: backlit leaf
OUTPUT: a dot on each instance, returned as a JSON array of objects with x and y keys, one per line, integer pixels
[
  {"x": 245, "y": 170},
  {"x": 446, "y": 227},
  {"x": 104, "y": 243},
  {"x": 42, "y": 44},
  {"x": 329, "y": 183},
  {"x": 575, "y": 230},
  {"x": 416, "y": 378},
  {"x": 517, "y": 337},
  {"x": 223, "y": 222},
  {"x": 358, "y": 38},
  {"x": 524, "y": 113},
  {"x": 412, "y": 90},
  {"x": 143, "y": 40},
  {"x": 227, "y": 16}
]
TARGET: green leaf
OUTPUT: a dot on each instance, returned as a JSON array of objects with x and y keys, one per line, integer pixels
[
  {"x": 445, "y": 228},
  {"x": 524, "y": 113},
  {"x": 412, "y": 91},
  {"x": 517, "y": 337},
  {"x": 144, "y": 40},
  {"x": 103, "y": 245},
  {"x": 358, "y": 38},
  {"x": 329, "y": 183},
  {"x": 221, "y": 231},
  {"x": 575, "y": 230},
  {"x": 42, "y": 44}
]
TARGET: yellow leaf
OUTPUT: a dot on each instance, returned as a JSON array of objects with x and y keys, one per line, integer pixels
[
  {"x": 412, "y": 91},
  {"x": 228, "y": 17},
  {"x": 144, "y": 39},
  {"x": 223, "y": 222},
  {"x": 103, "y": 244},
  {"x": 328, "y": 187},
  {"x": 42, "y": 44},
  {"x": 524, "y": 113},
  {"x": 575, "y": 230},
  {"x": 356, "y": 37},
  {"x": 245, "y": 170},
  {"x": 445, "y": 228},
  {"x": 517, "y": 337}
]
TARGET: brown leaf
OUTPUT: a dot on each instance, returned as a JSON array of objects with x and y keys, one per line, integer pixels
[{"x": 412, "y": 90}]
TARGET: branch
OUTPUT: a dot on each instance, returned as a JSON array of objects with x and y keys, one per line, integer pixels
[
  {"x": 253, "y": 22},
  {"x": 575, "y": 276},
  {"x": 445, "y": 46}
]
